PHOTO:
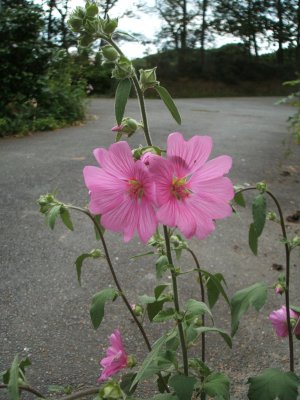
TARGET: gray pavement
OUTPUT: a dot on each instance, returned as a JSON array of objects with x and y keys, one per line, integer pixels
[{"x": 44, "y": 313}]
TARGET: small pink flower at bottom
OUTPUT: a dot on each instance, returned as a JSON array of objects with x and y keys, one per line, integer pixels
[
  {"x": 191, "y": 192},
  {"x": 116, "y": 358},
  {"x": 279, "y": 321}
]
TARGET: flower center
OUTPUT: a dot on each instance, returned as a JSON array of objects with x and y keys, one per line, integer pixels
[
  {"x": 180, "y": 188},
  {"x": 135, "y": 188}
]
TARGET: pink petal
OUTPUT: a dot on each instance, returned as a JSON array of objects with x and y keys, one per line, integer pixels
[
  {"x": 205, "y": 227},
  {"x": 118, "y": 160},
  {"x": 210, "y": 206},
  {"x": 147, "y": 221},
  {"x": 220, "y": 188},
  {"x": 167, "y": 213},
  {"x": 162, "y": 174},
  {"x": 215, "y": 168},
  {"x": 185, "y": 220},
  {"x": 194, "y": 152}
]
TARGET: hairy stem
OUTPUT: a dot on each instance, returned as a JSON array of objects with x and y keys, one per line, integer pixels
[
  {"x": 176, "y": 302},
  {"x": 118, "y": 285},
  {"x": 287, "y": 274}
]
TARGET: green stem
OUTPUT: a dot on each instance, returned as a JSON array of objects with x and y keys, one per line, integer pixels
[
  {"x": 176, "y": 302},
  {"x": 287, "y": 274},
  {"x": 139, "y": 94},
  {"x": 117, "y": 283},
  {"x": 25, "y": 388},
  {"x": 202, "y": 291}
]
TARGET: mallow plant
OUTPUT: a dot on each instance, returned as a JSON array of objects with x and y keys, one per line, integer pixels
[{"x": 166, "y": 197}]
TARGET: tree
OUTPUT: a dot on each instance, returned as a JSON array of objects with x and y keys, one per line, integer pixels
[
  {"x": 245, "y": 19},
  {"x": 24, "y": 55}
]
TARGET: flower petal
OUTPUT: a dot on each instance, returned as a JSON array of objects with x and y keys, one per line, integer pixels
[
  {"x": 194, "y": 152},
  {"x": 185, "y": 220},
  {"x": 220, "y": 188},
  {"x": 147, "y": 221},
  {"x": 215, "y": 168}
]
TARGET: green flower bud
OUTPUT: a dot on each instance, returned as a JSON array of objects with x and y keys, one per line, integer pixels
[
  {"x": 137, "y": 309},
  {"x": 131, "y": 361},
  {"x": 272, "y": 216},
  {"x": 91, "y": 9},
  {"x": 109, "y": 25},
  {"x": 123, "y": 69},
  {"x": 111, "y": 391},
  {"x": 148, "y": 78},
  {"x": 75, "y": 23},
  {"x": 110, "y": 53},
  {"x": 85, "y": 40},
  {"x": 261, "y": 186}
]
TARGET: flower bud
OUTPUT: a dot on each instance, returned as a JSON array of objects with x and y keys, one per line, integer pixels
[
  {"x": 85, "y": 40},
  {"x": 279, "y": 289},
  {"x": 123, "y": 69},
  {"x": 109, "y": 53},
  {"x": 148, "y": 78},
  {"x": 295, "y": 242},
  {"x": 137, "y": 309},
  {"x": 128, "y": 126},
  {"x": 111, "y": 391},
  {"x": 91, "y": 9},
  {"x": 75, "y": 23},
  {"x": 261, "y": 186},
  {"x": 109, "y": 25},
  {"x": 131, "y": 361},
  {"x": 272, "y": 216},
  {"x": 148, "y": 157}
]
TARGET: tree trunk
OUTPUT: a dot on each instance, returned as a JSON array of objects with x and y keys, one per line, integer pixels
[
  {"x": 280, "y": 57},
  {"x": 203, "y": 33}
]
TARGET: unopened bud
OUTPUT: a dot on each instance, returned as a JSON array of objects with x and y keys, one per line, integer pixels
[
  {"x": 272, "y": 216},
  {"x": 279, "y": 289},
  {"x": 137, "y": 309},
  {"x": 261, "y": 186},
  {"x": 109, "y": 53},
  {"x": 91, "y": 9},
  {"x": 131, "y": 361},
  {"x": 86, "y": 40},
  {"x": 111, "y": 391},
  {"x": 128, "y": 126},
  {"x": 123, "y": 69},
  {"x": 109, "y": 25},
  {"x": 75, "y": 23},
  {"x": 148, "y": 78}
]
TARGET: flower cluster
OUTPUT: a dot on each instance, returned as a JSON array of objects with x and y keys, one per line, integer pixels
[{"x": 183, "y": 190}]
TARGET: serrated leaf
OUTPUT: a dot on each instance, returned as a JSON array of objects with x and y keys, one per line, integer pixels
[
  {"x": 225, "y": 336},
  {"x": 122, "y": 94},
  {"x": 274, "y": 384},
  {"x": 239, "y": 199},
  {"x": 164, "y": 315},
  {"x": 66, "y": 218},
  {"x": 12, "y": 387},
  {"x": 52, "y": 215},
  {"x": 151, "y": 356},
  {"x": 253, "y": 239},
  {"x": 254, "y": 295},
  {"x": 98, "y": 303},
  {"x": 259, "y": 213},
  {"x": 183, "y": 386},
  {"x": 167, "y": 99},
  {"x": 95, "y": 253},
  {"x": 161, "y": 266},
  {"x": 217, "y": 386}
]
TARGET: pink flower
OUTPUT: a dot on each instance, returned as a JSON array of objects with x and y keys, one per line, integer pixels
[
  {"x": 148, "y": 157},
  {"x": 117, "y": 128},
  {"x": 122, "y": 191},
  {"x": 279, "y": 321},
  {"x": 279, "y": 289},
  {"x": 116, "y": 357},
  {"x": 190, "y": 192}
]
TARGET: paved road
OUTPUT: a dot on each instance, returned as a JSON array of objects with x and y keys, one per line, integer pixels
[{"x": 44, "y": 312}]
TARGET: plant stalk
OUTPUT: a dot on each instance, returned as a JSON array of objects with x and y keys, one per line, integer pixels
[{"x": 176, "y": 302}]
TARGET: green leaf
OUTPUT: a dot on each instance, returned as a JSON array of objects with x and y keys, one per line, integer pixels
[
  {"x": 199, "y": 366},
  {"x": 12, "y": 387},
  {"x": 167, "y": 99},
  {"x": 239, "y": 199},
  {"x": 122, "y": 94},
  {"x": 159, "y": 289},
  {"x": 259, "y": 213},
  {"x": 52, "y": 215},
  {"x": 224, "y": 334},
  {"x": 183, "y": 386},
  {"x": 142, "y": 255},
  {"x": 164, "y": 396},
  {"x": 154, "y": 308},
  {"x": 164, "y": 315},
  {"x": 253, "y": 239},
  {"x": 151, "y": 356},
  {"x": 254, "y": 295},
  {"x": 95, "y": 253},
  {"x": 161, "y": 265},
  {"x": 274, "y": 384},
  {"x": 215, "y": 288},
  {"x": 217, "y": 386},
  {"x": 66, "y": 218},
  {"x": 196, "y": 308},
  {"x": 98, "y": 303},
  {"x": 126, "y": 383}
]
